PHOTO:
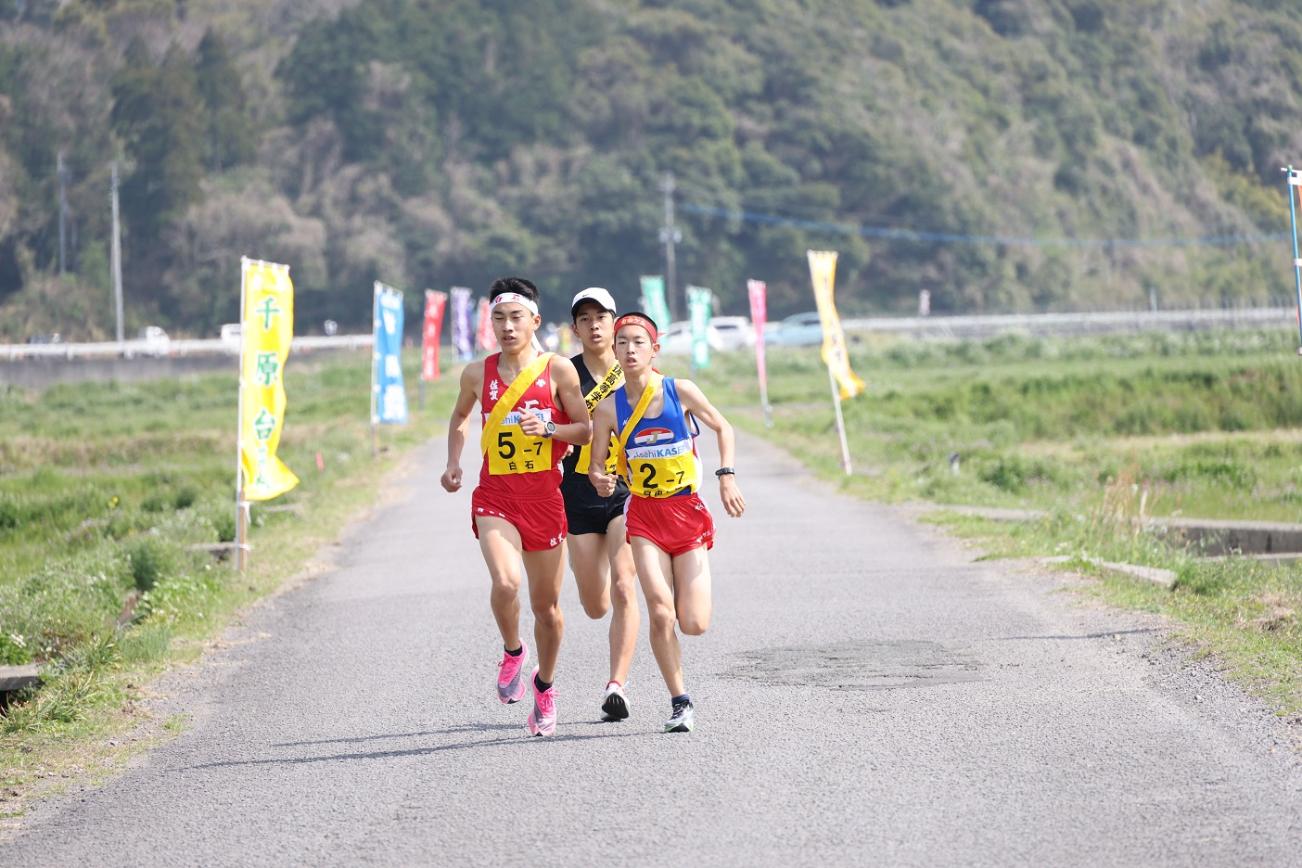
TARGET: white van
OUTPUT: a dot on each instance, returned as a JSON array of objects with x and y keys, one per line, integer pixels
[{"x": 230, "y": 335}]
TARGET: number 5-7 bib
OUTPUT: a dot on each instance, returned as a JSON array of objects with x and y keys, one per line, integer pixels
[
  {"x": 508, "y": 448},
  {"x": 513, "y": 451}
]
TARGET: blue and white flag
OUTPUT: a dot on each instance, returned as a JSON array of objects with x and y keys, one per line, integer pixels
[{"x": 388, "y": 398}]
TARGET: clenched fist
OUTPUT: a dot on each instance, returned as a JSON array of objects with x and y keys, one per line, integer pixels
[{"x": 603, "y": 482}]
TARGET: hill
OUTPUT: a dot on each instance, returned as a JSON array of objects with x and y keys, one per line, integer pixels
[{"x": 1041, "y": 154}]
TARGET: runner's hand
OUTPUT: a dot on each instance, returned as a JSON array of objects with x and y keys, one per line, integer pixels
[
  {"x": 532, "y": 424},
  {"x": 733, "y": 503},
  {"x": 603, "y": 482},
  {"x": 451, "y": 479}
]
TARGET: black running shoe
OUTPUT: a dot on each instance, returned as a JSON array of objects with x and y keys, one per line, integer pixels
[
  {"x": 682, "y": 720},
  {"x": 615, "y": 705}
]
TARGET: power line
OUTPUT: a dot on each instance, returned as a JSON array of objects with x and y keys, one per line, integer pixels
[{"x": 917, "y": 235}]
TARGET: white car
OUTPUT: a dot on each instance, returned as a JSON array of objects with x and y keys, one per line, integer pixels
[
  {"x": 677, "y": 339},
  {"x": 736, "y": 332},
  {"x": 230, "y": 336},
  {"x": 156, "y": 341}
]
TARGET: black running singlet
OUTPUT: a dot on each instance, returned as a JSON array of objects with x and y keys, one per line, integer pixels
[{"x": 573, "y": 479}]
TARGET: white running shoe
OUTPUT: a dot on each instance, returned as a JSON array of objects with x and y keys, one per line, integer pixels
[
  {"x": 683, "y": 719},
  {"x": 615, "y": 705}
]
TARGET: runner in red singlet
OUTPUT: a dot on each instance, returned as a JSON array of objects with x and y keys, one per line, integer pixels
[
  {"x": 669, "y": 527},
  {"x": 532, "y": 411}
]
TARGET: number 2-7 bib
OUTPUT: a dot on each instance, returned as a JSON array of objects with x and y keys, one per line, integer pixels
[{"x": 656, "y": 455}]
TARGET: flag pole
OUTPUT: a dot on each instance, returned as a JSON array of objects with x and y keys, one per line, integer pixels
[
  {"x": 241, "y": 507},
  {"x": 1294, "y": 180},
  {"x": 840, "y": 421}
]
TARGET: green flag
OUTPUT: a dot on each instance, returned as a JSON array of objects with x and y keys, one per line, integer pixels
[
  {"x": 698, "y": 304},
  {"x": 653, "y": 300}
]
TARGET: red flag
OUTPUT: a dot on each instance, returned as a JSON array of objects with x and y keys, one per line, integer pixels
[
  {"x": 487, "y": 340},
  {"x": 435, "y": 302},
  {"x": 758, "y": 291}
]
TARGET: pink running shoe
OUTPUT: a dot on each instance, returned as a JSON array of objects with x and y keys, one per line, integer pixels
[
  {"x": 510, "y": 676},
  {"x": 542, "y": 720}
]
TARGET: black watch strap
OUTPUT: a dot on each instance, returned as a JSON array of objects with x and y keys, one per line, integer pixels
[{"x": 726, "y": 471}]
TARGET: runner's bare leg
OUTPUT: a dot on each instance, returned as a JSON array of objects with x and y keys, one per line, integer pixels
[
  {"x": 692, "y": 599},
  {"x": 500, "y": 543},
  {"x": 546, "y": 572},
  {"x": 623, "y": 597},
  {"x": 654, "y": 570},
  {"x": 591, "y": 569}
]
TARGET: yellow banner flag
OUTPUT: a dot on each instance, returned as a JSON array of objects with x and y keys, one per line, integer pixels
[
  {"x": 822, "y": 270},
  {"x": 266, "y": 328}
]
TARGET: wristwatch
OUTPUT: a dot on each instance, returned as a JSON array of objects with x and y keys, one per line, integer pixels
[
  {"x": 726, "y": 471},
  {"x": 549, "y": 428}
]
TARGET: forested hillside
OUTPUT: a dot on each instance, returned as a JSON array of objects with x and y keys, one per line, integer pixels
[{"x": 439, "y": 142}]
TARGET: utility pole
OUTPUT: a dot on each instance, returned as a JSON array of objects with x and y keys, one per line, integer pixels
[
  {"x": 669, "y": 236},
  {"x": 116, "y": 254},
  {"x": 63, "y": 215}
]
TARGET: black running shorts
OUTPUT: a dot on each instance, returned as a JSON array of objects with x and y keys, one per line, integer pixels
[{"x": 588, "y": 512}]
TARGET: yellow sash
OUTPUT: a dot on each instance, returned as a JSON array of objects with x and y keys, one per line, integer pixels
[
  {"x": 638, "y": 412},
  {"x": 512, "y": 450},
  {"x": 614, "y": 379}
]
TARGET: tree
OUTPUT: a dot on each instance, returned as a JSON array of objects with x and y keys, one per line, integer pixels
[
  {"x": 159, "y": 115},
  {"x": 228, "y": 130}
]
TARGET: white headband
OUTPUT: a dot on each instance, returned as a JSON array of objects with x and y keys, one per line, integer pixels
[{"x": 515, "y": 298}]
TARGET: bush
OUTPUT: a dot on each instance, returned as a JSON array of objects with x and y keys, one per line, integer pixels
[
  {"x": 14, "y": 650},
  {"x": 1013, "y": 474},
  {"x": 8, "y": 512},
  {"x": 150, "y": 561}
]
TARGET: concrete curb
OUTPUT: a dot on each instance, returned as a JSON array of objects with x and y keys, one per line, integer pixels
[{"x": 1155, "y": 575}]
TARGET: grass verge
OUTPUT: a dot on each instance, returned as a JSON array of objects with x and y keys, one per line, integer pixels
[
  {"x": 1100, "y": 433},
  {"x": 105, "y": 490}
]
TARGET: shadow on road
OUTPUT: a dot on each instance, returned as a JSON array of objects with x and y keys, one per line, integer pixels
[
  {"x": 424, "y": 751},
  {"x": 468, "y": 727}
]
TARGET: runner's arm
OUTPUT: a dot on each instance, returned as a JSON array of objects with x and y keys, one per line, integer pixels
[
  {"x": 565, "y": 379},
  {"x": 698, "y": 405},
  {"x": 603, "y": 427},
  {"x": 472, "y": 381}
]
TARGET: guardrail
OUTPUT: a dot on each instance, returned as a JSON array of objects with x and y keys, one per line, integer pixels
[
  {"x": 163, "y": 349},
  {"x": 1040, "y": 323},
  {"x": 955, "y": 326}
]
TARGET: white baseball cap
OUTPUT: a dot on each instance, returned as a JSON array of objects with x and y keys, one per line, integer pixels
[{"x": 593, "y": 293}]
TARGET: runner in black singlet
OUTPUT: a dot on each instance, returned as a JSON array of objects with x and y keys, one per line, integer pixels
[{"x": 600, "y": 555}]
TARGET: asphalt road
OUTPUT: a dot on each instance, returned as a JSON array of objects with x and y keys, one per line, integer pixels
[{"x": 866, "y": 695}]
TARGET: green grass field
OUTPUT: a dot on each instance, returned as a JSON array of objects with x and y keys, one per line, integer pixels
[
  {"x": 104, "y": 488},
  {"x": 1100, "y": 433}
]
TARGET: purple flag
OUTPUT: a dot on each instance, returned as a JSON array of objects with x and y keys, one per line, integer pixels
[{"x": 462, "y": 340}]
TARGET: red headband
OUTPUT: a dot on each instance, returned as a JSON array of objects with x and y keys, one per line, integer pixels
[{"x": 633, "y": 319}]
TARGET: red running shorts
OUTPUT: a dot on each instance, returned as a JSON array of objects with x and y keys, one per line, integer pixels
[
  {"x": 540, "y": 521},
  {"x": 675, "y": 525}
]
